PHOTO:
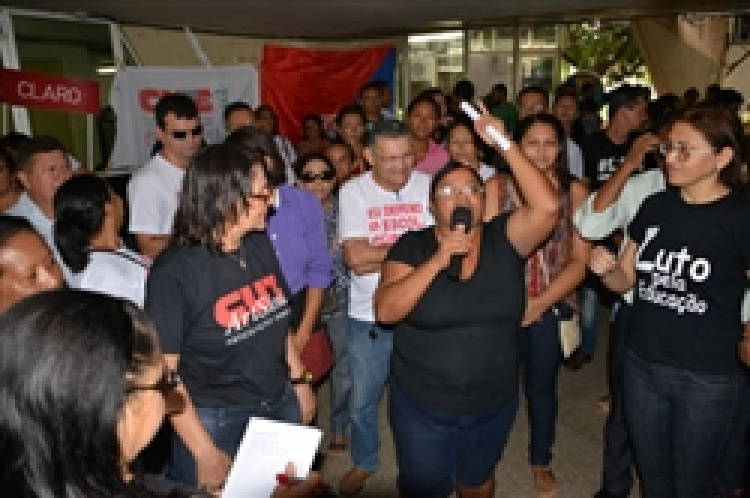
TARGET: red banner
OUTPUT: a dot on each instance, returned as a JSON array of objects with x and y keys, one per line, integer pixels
[
  {"x": 45, "y": 91},
  {"x": 298, "y": 81}
]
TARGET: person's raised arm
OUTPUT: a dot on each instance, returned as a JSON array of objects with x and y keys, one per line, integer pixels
[
  {"x": 618, "y": 274},
  {"x": 610, "y": 191},
  {"x": 534, "y": 219}
]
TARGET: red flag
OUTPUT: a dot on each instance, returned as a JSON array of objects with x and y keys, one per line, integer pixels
[{"x": 298, "y": 81}]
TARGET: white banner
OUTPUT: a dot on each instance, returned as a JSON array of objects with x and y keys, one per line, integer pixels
[{"x": 136, "y": 90}]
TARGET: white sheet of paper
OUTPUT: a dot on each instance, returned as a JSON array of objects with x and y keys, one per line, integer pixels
[{"x": 266, "y": 448}]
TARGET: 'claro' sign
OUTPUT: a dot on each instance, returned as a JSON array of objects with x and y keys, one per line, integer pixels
[{"x": 45, "y": 91}]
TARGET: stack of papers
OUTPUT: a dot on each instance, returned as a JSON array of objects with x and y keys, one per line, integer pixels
[{"x": 266, "y": 449}]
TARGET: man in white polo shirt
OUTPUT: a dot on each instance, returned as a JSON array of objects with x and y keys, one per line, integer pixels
[
  {"x": 154, "y": 190},
  {"x": 42, "y": 167},
  {"x": 375, "y": 209}
]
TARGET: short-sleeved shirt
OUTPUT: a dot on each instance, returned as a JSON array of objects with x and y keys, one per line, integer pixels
[
  {"x": 227, "y": 322},
  {"x": 486, "y": 172},
  {"x": 120, "y": 273},
  {"x": 575, "y": 158},
  {"x": 153, "y": 196},
  {"x": 457, "y": 351},
  {"x": 368, "y": 211},
  {"x": 690, "y": 281},
  {"x": 297, "y": 232},
  {"x": 436, "y": 158},
  {"x": 27, "y": 209},
  {"x": 601, "y": 157},
  {"x": 336, "y": 297}
]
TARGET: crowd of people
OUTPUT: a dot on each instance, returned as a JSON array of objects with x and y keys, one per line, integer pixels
[{"x": 439, "y": 261}]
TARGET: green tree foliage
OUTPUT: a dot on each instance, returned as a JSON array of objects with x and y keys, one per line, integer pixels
[{"x": 604, "y": 48}]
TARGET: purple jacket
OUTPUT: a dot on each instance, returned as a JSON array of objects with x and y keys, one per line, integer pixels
[{"x": 298, "y": 235}]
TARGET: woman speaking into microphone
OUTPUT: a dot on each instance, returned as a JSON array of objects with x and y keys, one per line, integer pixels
[{"x": 454, "y": 382}]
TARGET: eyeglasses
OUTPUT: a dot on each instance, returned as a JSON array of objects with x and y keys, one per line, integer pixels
[
  {"x": 326, "y": 176},
  {"x": 182, "y": 134},
  {"x": 165, "y": 385},
  {"x": 452, "y": 190},
  {"x": 683, "y": 151},
  {"x": 264, "y": 195}
]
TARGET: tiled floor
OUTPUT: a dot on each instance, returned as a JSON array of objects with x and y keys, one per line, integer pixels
[{"x": 578, "y": 452}]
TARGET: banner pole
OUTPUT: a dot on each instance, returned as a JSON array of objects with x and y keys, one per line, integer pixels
[
  {"x": 90, "y": 142},
  {"x": 6, "y": 121}
]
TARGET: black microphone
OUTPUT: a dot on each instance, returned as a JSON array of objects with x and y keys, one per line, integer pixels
[{"x": 462, "y": 217}]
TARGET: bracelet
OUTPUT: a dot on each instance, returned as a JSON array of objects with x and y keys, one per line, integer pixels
[{"x": 305, "y": 377}]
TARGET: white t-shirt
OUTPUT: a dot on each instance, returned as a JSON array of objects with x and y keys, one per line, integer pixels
[
  {"x": 575, "y": 158},
  {"x": 26, "y": 208},
  {"x": 153, "y": 196},
  {"x": 486, "y": 172},
  {"x": 119, "y": 273},
  {"x": 288, "y": 155},
  {"x": 368, "y": 211}
]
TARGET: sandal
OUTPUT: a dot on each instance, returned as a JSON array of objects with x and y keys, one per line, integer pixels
[
  {"x": 337, "y": 447},
  {"x": 545, "y": 483}
]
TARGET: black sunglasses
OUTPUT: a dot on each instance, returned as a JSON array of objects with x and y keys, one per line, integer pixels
[
  {"x": 165, "y": 385},
  {"x": 326, "y": 176},
  {"x": 182, "y": 134}
]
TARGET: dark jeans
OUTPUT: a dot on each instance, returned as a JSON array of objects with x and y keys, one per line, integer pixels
[
  {"x": 434, "y": 450},
  {"x": 679, "y": 422},
  {"x": 617, "y": 476},
  {"x": 226, "y": 426},
  {"x": 541, "y": 356}
]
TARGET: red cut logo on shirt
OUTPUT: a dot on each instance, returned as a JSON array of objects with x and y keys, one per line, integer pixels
[{"x": 249, "y": 303}]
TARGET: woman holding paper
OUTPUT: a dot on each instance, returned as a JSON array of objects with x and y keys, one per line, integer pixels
[
  {"x": 220, "y": 305},
  {"x": 456, "y": 351}
]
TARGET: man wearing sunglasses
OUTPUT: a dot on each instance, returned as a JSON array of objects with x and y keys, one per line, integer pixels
[{"x": 154, "y": 190}]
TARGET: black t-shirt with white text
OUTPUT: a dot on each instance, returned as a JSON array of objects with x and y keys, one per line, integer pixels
[
  {"x": 602, "y": 157},
  {"x": 457, "y": 351},
  {"x": 690, "y": 280},
  {"x": 228, "y": 323}
]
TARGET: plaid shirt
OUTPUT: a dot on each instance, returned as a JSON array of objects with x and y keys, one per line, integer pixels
[{"x": 543, "y": 265}]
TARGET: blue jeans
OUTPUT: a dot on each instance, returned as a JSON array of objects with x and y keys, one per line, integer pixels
[
  {"x": 679, "y": 423},
  {"x": 590, "y": 303},
  {"x": 541, "y": 356},
  {"x": 369, "y": 359},
  {"x": 226, "y": 426},
  {"x": 434, "y": 450},
  {"x": 337, "y": 326}
]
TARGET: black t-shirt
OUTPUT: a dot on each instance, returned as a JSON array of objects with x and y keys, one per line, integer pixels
[
  {"x": 227, "y": 323},
  {"x": 602, "y": 157},
  {"x": 457, "y": 351},
  {"x": 690, "y": 280}
]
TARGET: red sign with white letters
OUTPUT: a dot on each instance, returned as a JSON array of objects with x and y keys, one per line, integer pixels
[{"x": 45, "y": 91}]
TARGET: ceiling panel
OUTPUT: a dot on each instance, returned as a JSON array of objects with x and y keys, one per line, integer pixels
[{"x": 361, "y": 18}]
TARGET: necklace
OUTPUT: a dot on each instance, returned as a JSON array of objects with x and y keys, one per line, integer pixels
[{"x": 239, "y": 259}]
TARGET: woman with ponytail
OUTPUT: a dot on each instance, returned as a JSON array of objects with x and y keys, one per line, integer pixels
[{"x": 88, "y": 218}]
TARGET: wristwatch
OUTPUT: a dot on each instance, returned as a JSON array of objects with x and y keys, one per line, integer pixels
[{"x": 305, "y": 377}]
